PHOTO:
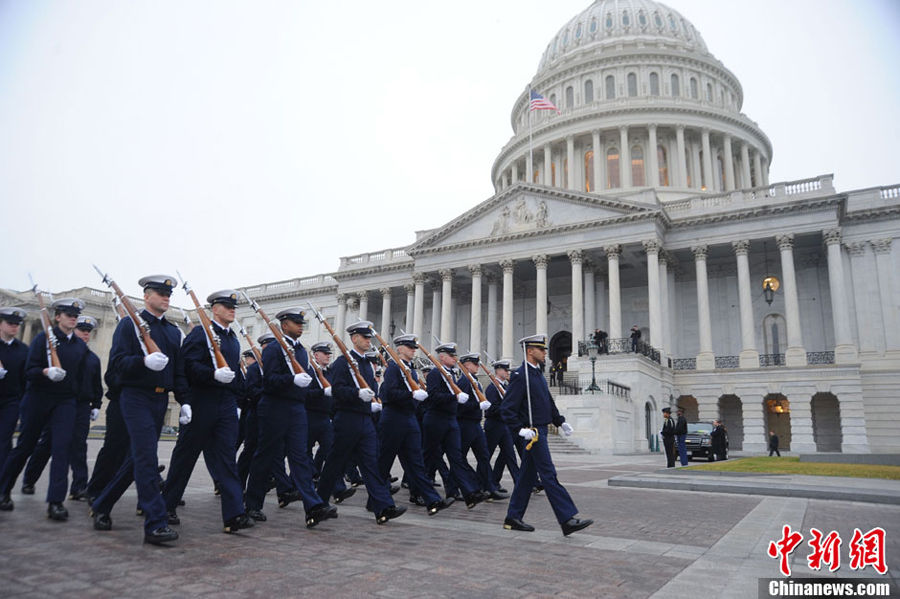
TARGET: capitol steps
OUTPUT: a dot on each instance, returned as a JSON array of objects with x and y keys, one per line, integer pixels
[{"x": 560, "y": 445}]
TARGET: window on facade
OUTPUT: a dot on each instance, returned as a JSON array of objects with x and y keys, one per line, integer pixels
[
  {"x": 609, "y": 21},
  {"x": 688, "y": 166},
  {"x": 654, "y": 84},
  {"x": 672, "y": 25},
  {"x": 536, "y": 178},
  {"x": 704, "y": 177},
  {"x": 709, "y": 92},
  {"x": 612, "y": 168},
  {"x": 553, "y": 99},
  {"x": 588, "y": 91},
  {"x": 589, "y": 171},
  {"x": 687, "y": 30},
  {"x": 657, "y": 19},
  {"x": 695, "y": 94},
  {"x": 721, "y": 173},
  {"x": 593, "y": 27},
  {"x": 565, "y": 180},
  {"x": 610, "y": 87},
  {"x": 676, "y": 88},
  {"x": 578, "y": 31},
  {"x": 632, "y": 85},
  {"x": 553, "y": 174},
  {"x": 663, "y": 162},
  {"x": 566, "y": 39},
  {"x": 625, "y": 20},
  {"x": 642, "y": 18},
  {"x": 570, "y": 97},
  {"x": 637, "y": 166}
]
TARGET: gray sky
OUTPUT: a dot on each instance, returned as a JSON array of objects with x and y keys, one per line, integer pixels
[{"x": 247, "y": 142}]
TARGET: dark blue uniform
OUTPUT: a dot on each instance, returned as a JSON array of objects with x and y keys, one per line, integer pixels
[
  {"x": 498, "y": 435},
  {"x": 213, "y": 428},
  {"x": 536, "y": 460},
  {"x": 400, "y": 435},
  {"x": 48, "y": 404},
  {"x": 13, "y": 356},
  {"x": 320, "y": 411},
  {"x": 115, "y": 442},
  {"x": 143, "y": 399},
  {"x": 354, "y": 434},
  {"x": 283, "y": 427},
  {"x": 471, "y": 436}
]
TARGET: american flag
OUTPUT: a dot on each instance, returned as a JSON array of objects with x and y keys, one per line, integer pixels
[{"x": 539, "y": 102}]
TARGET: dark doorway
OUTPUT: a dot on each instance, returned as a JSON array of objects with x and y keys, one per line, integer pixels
[{"x": 560, "y": 347}]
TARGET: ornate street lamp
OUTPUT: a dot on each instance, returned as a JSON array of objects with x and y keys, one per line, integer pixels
[
  {"x": 592, "y": 349},
  {"x": 770, "y": 283}
]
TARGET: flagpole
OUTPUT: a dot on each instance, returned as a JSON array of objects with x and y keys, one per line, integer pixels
[{"x": 530, "y": 133}]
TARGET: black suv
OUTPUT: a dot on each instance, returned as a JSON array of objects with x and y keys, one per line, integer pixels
[{"x": 699, "y": 442}]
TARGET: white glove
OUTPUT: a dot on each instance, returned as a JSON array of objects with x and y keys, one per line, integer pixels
[
  {"x": 239, "y": 413},
  {"x": 3, "y": 372},
  {"x": 567, "y": 429},
  {"x": 484, "y": 405},
  {"x": 462, "y": 397},
  {"x": 95, "y": 413},
  {"x": 526, "y": 433},
  {"x": 185, "y": 417},
  {"x": 366, "y": 394},
  {"x": 156, "y": 361},
  {"x": 56, "y": 374},
  {"x": 376, "y": 407},
  {"x": 302, "y": 380},
  {"x": 327, "y": 392},
  {"x": 224, "y": 375},
  {"x": 420, "y": 395}
]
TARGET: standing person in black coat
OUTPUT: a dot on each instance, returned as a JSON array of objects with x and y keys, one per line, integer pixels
[
  {"x": 773, "y": 444},
  {"x": 635, "y": 337},
  {"x": 13, "y": 355},
  {"x": 718, "y": 442},
  {"x": 668, "y": 437},
  {"x": 681, "y": 430}
]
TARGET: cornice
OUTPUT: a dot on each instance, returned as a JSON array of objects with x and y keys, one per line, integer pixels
[
  {"x": 756, "y": 212},
  {"x": 882, "y": 213},
  {"x": 348, "y": 275}
]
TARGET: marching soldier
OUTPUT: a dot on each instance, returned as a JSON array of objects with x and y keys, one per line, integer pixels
[
  {"x": 49, "y": 400},
  {"x": 145, "y": 381},
  {"x": 13, "y": 356},
  {"x": 495, "y": 429},
  {"x": 87, "y": 408},
  {"x": 283, "y": 426},
  {"x": 115, "y": 441},
  {"x": 529, "y": 407},
  {"x": 213, "y": 428},
  {"x": 400, "y": 434},
  {"x": 354, "y": 430}
]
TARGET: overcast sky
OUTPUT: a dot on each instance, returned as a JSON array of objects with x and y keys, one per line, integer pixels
[{"x": 249, "y": 142}]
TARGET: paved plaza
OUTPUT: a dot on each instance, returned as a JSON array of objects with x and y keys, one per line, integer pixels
[{"x": 645, "y": 543}]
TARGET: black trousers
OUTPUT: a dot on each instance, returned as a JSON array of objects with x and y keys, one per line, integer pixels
[{"x": 669, "y": 445}]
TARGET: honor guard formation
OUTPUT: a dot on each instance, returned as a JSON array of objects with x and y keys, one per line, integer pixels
[{"x": 274, "y": 403}]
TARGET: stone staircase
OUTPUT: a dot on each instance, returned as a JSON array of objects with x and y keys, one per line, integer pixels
[{"x": 561, "y": 445}]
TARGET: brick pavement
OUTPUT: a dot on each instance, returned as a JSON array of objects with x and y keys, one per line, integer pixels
[{"x": 644, "y": 543}]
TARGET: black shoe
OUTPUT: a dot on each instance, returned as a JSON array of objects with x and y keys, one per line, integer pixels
[
  {"x": 78, "y": 495},
  {"x": 216, "y": 491},
  {"x": 139, "y": 511},
  {"x": 356, "y": 483},
  {"x": 239, "y": 522},
  {"x": 497, "y": 496},
  {"x": 574, "y": 525},
  {"x": 417, "y": 500},
  {"x": 394, "y": 479},
  {"x": 320, "y": 513},
  {"x": 537, "y": 489},
  {"x": 161, "y": 535},
  {"x": 27, "y": 489},
  {"x": 56, "y": 511},
  {"x": 172, "y": 518},
  {"x": 347, "y": 493},
  {"x": 501, "y": 489},
  {"x": 161, "y": 468},
  {"x": 440, "y": 505},
  {"x": 390, "y": 513},
  {"x": 516, "y": 524},
  {"x": 474, "y": 498},
  {"x": 6, "y": 504},
  {"x": 257, "y": 515},
  {"x": 395, "y": 489},
  {"x": 286, "y": 499},
  {"x": 102, "y": 521}
]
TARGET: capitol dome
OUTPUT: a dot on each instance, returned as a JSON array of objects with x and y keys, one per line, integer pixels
[{"x": 642, "y": 104}]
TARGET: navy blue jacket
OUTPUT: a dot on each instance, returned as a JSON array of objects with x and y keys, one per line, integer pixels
[
  {"x": 253, "y": 385},
  {"x": 316, "y": 400},
  {"x": 441, "y": 399},
  {"x": 113, "y": 388},
  {"x": 278, "y": 378},
  {"x": 92, "y": 387},
  {"x": 72, "y": 353},
  {"x": 343, "y": 382},
  {"x": 515, "y": 404},
  {"x": 394, "y": 392},
  {"x": 126, "y": 358},
  {"x": 469, "y": 410},
  {"x": 493, "y": 396},
  {"x": 13, "y": 356},
  {"x": 200, "y": 368}
]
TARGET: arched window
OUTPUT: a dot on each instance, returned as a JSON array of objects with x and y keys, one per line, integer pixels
[
  {"x": 695, "y": 94},
  {"x": 654, "y": 84},
  {"x": 610, "y": 87},
  {"x": 676, "y": 88},
  {"x": 637, "y": 167},
  {"x": 612, "y": 168},
  {"x": 663, "y": 160},
  {"x": 570, "y": 97},
  {"x": 642, "y": 19},
  {"x": 553, "y": 99},
  {"x": 672, "y": 25},
  {"x": 632, "y": 85},
  {"x": 709, "y": 92},
  {"x": 657, "y": 20},
  {"x": 593, "y": 28},
  {"x": 588, "y": 91},
  {"x": 566, "y": 39},
  {"x": 578, "y": 31},
  {"x": 625, "y": 19},
  {"x": 609, "y": 20},
  {"x": 553, "y": 174},
  {"x": 589, "y": 171}
]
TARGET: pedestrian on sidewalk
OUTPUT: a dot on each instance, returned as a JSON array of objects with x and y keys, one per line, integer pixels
[
  {"x": 668, "y": 437},
  {"x": 773, "y": 444},
  {"x": 681, "y": 430}
]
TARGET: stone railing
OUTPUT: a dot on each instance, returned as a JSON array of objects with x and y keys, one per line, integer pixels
[
  {"x": 771, "y": 360},
  {"x": 622, "y": 346},
  {"x": 387, "y": 256},
  {"x": 750, "y": 197},
  {"x": 302, "y": 283},
  {"x": 684, "y": 364},
  {"x": 820, "y": 357},
  {"x": 728, "y": 361}
]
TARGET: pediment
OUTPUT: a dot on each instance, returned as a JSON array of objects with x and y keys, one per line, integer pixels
[{"x": 526, "y": 210}]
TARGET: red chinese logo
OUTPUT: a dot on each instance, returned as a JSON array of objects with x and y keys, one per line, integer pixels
[
  {"x": 826, "y": 550},
  {"x": 784, "y": 548},
  {"x": 868, "y": 550},
  {"x": 865, "y": 549}
]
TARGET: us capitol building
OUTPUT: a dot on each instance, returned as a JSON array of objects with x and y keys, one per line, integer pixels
[{"x": 647, "y": 201}]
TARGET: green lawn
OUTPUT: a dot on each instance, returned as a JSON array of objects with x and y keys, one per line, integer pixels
[{"x": 795, "y": 466}]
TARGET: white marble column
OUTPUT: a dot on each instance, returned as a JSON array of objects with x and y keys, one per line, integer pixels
[
  {"x": 410, "y": 307},
  {"x": 602, "y": 314},
  {"x": 862, "y": 294},
  {"x": 696, "y": 177},
  {"x": 652, "y": 157},
  {"x": 664, "y": 348},
  {"x": 504, "y": 180},
  {"x": 570, "y": 169},
  {"x": 599, "y": 162},
  {"x": 508, "y": 267},
  {"x": 340, "y": 322},
  {"x": 590, "y": 302},
  {"x": 709, "y": 180},
  {"x": 385, "y": 330},
  {"x": 436, "y": 303},
  {"x": 615, "y": 298},
  {"x": 728, "y": 159},
  {"x": 475, "y": 330},
  {"x": 795, "y": 355},
  {"x": 363, "y": 305},
  {"x": 757, "y": 169},
  {"x": 886, "y": 277},
  {"x": 576, "y": 257},
  {"x": 845, "y": 351},
  {"x": 706, "y": 360},
  {"x": 652, "y": 248},
  {"x": 547, "y": 174},
  {"x": 514, "y": 173},
  {"x": 624, "y": 158},
  {"x": 540, "y": 263},
  {"x": 765, "y": 171},
  {"x": 681, "y": 156},
  {"x": 745, "y": 166},
  {"x": 446, "y": 304},
  {"x": 492, "y": 315},
  {"x": 419, "y": 315},
  {"x": 749, "y": 354}
]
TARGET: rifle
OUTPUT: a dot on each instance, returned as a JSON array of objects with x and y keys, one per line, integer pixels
[
  {"x": 187, "y": 319},
  {"x": 413, "y": 386},
  {"x": 479, "y": 394},
  {"x": 52, "y": 341},
  {"x": 453, "y": 386},
  {"x": 218, "y": 358},
  {"x": 494, "y": 379},
  {"x": 279, "y": 336},
  {"x": 360, "y": 381},
  {"x": 256, "y": 353},
  {"x": 140, "y": 325}
]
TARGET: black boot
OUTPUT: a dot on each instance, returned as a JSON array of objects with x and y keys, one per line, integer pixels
[
  {"x": 238, "y": 523},
  {"x": 390, "y": 513},
  {"x": 517, "y": 524},
  {"x": 161, "y": 535},
  {"x": 56, "y": 511},
  {"x": 320, "y": 513}
]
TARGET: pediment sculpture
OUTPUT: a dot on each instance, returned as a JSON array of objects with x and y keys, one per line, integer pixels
[{"x": 521, "y": 218}]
